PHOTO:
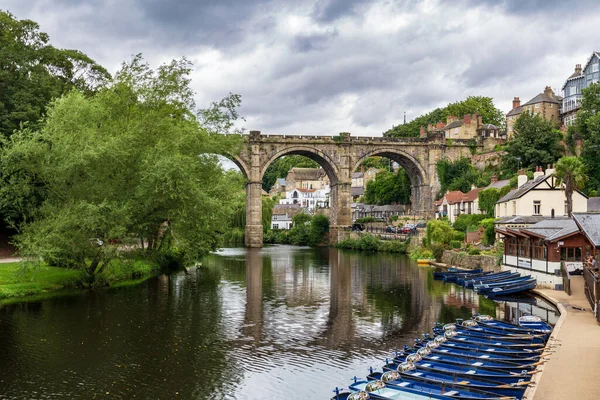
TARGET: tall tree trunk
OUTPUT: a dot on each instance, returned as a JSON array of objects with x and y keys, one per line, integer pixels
[
  {"x": 93, "y": 266},
  {"x": 569, "y": 194}
]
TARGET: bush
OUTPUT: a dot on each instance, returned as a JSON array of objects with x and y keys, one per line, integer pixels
[
  {"x": 420, "y": 252},
  {"x": 371, "y": 243},
  {"x": 456, "y": 244},
  {"x": 394, "y": 246},
  {"x": 437, "y": 250},
  {"x": 301, "y": 219},
  {"x": 364, "y": 220},
  {"x": 489, "y": 235},
  {"x": 368, "y": 243},
  {"x": 463, "y": 221},
  {"x": 474, "y": 251}
]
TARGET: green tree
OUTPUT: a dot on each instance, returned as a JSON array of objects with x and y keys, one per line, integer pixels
[
  {"x": 133, "y": 161},
  {"x": 389, "y": 188},
  {"x": 570, "y": 171},
  {"x": 456, "y": 175},
  {"x": 536, "y": 142},
  {"x": 301, "y": 219},
  {"x": 489, "y": 234},
  {"x": 375, "y": 162},
  {"x": 587, "y": 126},
  {"x": 280, "y": 168},
  {"x": 319, "y": 227},
  {"x": 465, "y": 221},
  {"x": 33, "y": 72},
  {"x": 439, "y": 232},
  {"x": 488, "y": 199}
]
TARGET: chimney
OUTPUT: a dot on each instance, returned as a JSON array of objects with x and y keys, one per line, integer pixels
[
  {"x": 548, "y": 91},
  {"x": 362, "y": 169},
  {"x": 516, "y": 102},
  {"x": 578, "y": 69},
  {"x": 440, "y": 125},
  {"x": 538, "y": 172},
  {"x": 550, "y": 170},
  {"x": 522, "y": 178},
  {"x": 479, "y": 119},
  {"x": 450, "y": 119},
  {"x": 422, "y": 132},
  {"x": 430, "y": 127},
  {"x": 473, "y": 187},
  {"x": 467, "y": 119},
  {"x": 494, "y": 178}
]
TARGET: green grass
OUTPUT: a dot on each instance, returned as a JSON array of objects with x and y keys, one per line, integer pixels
[{"x": 17, "y": 281}]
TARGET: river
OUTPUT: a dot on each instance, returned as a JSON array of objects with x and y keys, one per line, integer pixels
[{"x": 282, "y": 322}]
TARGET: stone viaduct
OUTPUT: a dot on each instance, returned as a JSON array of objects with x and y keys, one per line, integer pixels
[{"x": 340, "y": 156}]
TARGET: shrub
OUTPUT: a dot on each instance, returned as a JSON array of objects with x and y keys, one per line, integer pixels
[
  {"x": 489, "y": 235},
  {"x": 365, "y": 220},
  {"x": 463, "y": 221},
  {"x": 420, "y": 252},
  {"x": 437, "y": 250},
  {"x": 394, "y": 246},
  {"x": 474, "y": 251},
  {"x": 456, "y": 244},
  {"x": 368, "y": 243}
]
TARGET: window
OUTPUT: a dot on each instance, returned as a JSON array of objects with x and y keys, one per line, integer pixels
[
  {"x": 537, "y": 205},
  {"x": 275, "y": 226},
  {"x": 537, "y": 105},
  {"x": 514, "y": 204},
  {"x": 570, "y": 254},
  {"x": 524, "y": 247},
  {"x": 456, "y": 131},
  {"x": 512, "y": 246},
  {"x": 539, "y": 250},
  {"x": 550, "y": 105},
  {"x": 595, "y": 67}
]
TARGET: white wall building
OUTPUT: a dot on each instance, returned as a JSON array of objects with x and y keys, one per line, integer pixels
[{"x": 307, "y": 198}]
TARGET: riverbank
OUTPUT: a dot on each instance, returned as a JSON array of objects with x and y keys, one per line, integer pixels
[
  {"x": 571, "y": 371},
  {"x": 17, "y": 281}
]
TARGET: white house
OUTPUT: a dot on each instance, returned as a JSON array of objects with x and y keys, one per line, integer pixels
[
  {"x": 307, "y": 198},
  {"x": 456, "y": 202},
  {"x": 541, "y": 197},
  {"x": 281, "y": 221}
]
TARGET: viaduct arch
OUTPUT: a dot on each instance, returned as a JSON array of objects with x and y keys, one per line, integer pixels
[{"x": 340, "y": 156}]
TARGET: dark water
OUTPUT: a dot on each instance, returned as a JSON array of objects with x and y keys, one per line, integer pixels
[{"x": 281, "y": 322}]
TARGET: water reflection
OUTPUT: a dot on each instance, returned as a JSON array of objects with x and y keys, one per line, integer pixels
[{"x": 251, "y": 324}]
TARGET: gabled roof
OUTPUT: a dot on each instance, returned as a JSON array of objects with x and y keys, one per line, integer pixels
[
  {"x": 472, "y": 194},
  {"x": 488, "y": 126},
  {"x": 498, "y": 184},
  {"x": 580, "y": 75},
  {"x": 358, "y": 175},
  {"x": 281, "y": 181},
  {"x": 552, "y": 229},
  {"x": 526, "y": 187},
  {"x": 308, "y": 174},
  {"x": 593, "y": 204},
  {"x": 594, "y": 54},
  {"x": 515, "y": 111},
  {"x": 453, "y": 197},
  {"x": 543, "y": 98},
  {"x": 357, "y": 191},
  {"x": 519, "y": 220},
  {"x": 455, "y": 124},
  {"x": 589, "y": 223}
]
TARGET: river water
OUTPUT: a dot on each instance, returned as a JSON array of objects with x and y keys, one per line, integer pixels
[{"x": 278, "y": 323}]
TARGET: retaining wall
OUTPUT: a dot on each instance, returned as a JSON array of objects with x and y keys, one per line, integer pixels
[{"x": 488, "y": 263}]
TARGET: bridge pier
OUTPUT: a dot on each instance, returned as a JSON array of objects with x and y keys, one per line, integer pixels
[
  {"x": 254, "y": 230},
  {"x": 341, "y": 210}
]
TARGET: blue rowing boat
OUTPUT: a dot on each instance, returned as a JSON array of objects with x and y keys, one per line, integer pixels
[
  {"x": 535, "y": 323},
  {"x": 453, "y": 336},
  {"x": 474, "y": 353},
  {"x": 486, "y": 287},
  {"x": 474, "y": 329},
  {"x": 408, "y": 371},
  {"x": 516, "y": 288}
]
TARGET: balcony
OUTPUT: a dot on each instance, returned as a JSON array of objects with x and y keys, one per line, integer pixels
[{"x": 571, "y": 103}]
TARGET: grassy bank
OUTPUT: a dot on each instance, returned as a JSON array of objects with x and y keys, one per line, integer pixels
[
  {"x": 369, "y": 242},
  {"x": 18, "y": 281}
]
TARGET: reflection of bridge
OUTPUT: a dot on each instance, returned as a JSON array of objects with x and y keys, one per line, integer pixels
[{"x": 340, "y": 156}]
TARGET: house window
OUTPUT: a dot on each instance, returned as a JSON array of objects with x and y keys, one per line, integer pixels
[
  {"x": 595, "y": 67},
  {"x": 539, "y": 250},
  {"x": 455, "y": 131},
  {"x": 550, "y": 105},
  {"x": 524, "y": 247},
  {"x": 537, "y": 105},
  {"x": 514, "y": 204},
  {"x": 512, "y": 246},
  {"x": 275, "y": 226},
  {"x": 570, "y": 253},
  {"x": 537, "y": 205}
]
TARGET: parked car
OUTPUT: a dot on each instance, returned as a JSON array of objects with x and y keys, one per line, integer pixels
[
  {"x": 390, "y": 229},
  {"x": 408, "y": 229},
  {"x": 358, "y": 227},
  {"x": 421, "y": 224}
]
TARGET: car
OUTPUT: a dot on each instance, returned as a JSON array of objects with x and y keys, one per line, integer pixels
[
  {"x": 358, "y": 227},
  {"x": 421, "y": 224},
  {"x": 408, "y": 229},
  {"x": 390, "y": 229}
]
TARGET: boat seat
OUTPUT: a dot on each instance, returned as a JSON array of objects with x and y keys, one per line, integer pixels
[{"x": 451, "y": 393}]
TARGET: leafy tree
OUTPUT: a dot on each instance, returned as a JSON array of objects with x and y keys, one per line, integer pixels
[
  {"x": 488, "y": 199},
  {"x": 464, "y": 221},
  {"x": 484, "y": 106},
  {"x": 439, "y": 232},
  {"x": 280, "y": 168},
  {"x": 489, "y": 234},
  {"x": 133, "y": 161},
  {"x": 389, "y": 188},
  {"x": 375, "y": 162},
  {"x": 33, "y": 72},
  {"x": 456, "y": 175},
  {"x": 319, "y": 227},
  {"x": 536, "y": 142},
  {"x": 570, "y": 171},
  {"x": 587, "y": 126},
  {"x": 301, "y": 219}
]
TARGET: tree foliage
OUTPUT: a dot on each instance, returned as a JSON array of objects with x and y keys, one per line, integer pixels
[
  {"x": 487, "y": 200},
  {"x": 389, "y": 188},
  {"x": 465, "y": 221},
  {"x": 570, "y": 171},
  {"x": 536, "y": 142},
  {"x": 482, "y": 105},
  {"x": 375, "y": 162},
  {"x": 33, "y": 72},
  {"x": 440, "y": 232},
  {"x": 280, "y": 168},
  {"x": 587, "y": 126},
  {"x": 457, "y": 175},
  {"x": 133, "y": 161}
]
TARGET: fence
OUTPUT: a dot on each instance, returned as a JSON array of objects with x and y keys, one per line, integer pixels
[
  {"x": 592, "y": 290},
  {"x": 565, "y": 278}
]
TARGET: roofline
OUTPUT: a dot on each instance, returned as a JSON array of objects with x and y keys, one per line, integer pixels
[
  {"x": 564, "y": 236},
  {"x": 534, "y": 234},
  {"x": 596, "y": 246},
  {"x": 516, "y": 233}
]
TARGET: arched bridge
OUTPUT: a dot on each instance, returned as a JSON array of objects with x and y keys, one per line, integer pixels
[{"x": 340, "y": 156}]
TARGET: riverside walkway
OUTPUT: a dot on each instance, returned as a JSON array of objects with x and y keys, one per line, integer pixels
[{"x": 572, "y": 370}]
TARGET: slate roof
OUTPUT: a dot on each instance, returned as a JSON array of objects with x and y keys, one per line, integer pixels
[
  {"x": 455, "y": 124},
  {"x": 593, "y": 204},
  {"x": 290, "y": 209},
  {"x": 498, "y": 184},
  {"x": 589, "y": 223},
  {"x": 358, "y": 175},
  {"x": 281, "y": 181},
  {"x": 526, "y": 187},
  {"x": 553, "y": 229},
  {"x": 594, "y": 54},
  {"x": 520, "y": 219},
  {"x": 357, "y": 191},
  {"x": 308, "y": 174},
  {"x": 488, "y": 126},
  {"x": 515, "y": 111},
  {"x": 543, "y": 98}
]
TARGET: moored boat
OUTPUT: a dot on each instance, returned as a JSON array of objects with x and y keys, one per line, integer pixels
[{"x": 535, "y": 323}]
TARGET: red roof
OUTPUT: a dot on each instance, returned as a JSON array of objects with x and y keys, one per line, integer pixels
[
  {"x": 306, "y": 190},
  {"x": 472, "y": 194},
  {"x": 456, "y": 196}
]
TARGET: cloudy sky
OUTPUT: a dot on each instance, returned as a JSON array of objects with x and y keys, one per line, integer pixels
[{"x": 327, "y": 66}]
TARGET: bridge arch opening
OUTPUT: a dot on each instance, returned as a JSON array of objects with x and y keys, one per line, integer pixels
[{"x": 421, "y": 195}]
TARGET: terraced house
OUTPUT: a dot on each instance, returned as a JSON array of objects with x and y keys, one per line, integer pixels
[
  {"x": 580, "y": 79},
  {"x": 547, "y": 104}
]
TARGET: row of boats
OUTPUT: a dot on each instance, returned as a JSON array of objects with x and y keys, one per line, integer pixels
[
  {"x": 491, "y": 284},
  {"x": 480, "y": 358}
]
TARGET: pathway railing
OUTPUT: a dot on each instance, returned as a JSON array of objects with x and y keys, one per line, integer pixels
[
  {"x": 565, "y": 278},
  {"x": 592, "y": 290}
]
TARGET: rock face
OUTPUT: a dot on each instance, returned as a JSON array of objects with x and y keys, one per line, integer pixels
[{"x": 340, "y": 156}]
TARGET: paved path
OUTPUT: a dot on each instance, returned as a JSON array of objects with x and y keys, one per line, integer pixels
[
  {"x": 9, "y": 260},
  {"x": 572, "y": 371}
]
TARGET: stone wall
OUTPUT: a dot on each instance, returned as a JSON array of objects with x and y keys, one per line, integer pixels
[{"x": 488, "y": 263}]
